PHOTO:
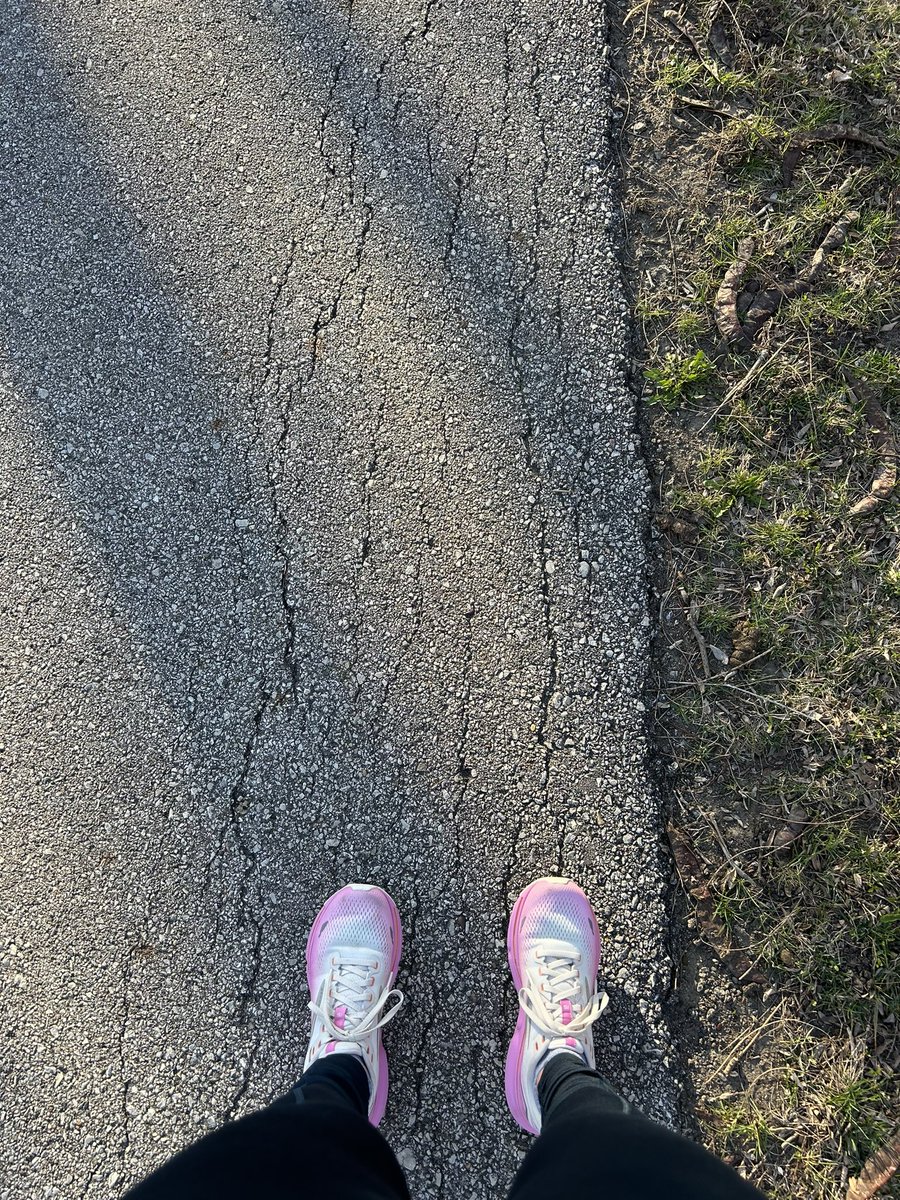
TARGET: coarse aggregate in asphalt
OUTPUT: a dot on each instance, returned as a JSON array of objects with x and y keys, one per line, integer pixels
[{"x": 322, "y": 510}]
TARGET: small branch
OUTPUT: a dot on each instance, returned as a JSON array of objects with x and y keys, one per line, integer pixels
[
  {"x": 695, "y": 883},
  {"x": 727, "y": 111},
  {"x": 690, "y": 615},
  {"x": 737, "y": 389}
]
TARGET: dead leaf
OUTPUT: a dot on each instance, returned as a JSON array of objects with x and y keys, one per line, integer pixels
[
  {"x": 796, "y": 823},
  {"x": 725, "y": 304},
  {"x": 884, "y": 444},
  {"x": 877, "y": 1171},
  {"x": 730, "y": 111},
  {"x": 768, "y": 302},
  {"x": 692, "y": 36}
]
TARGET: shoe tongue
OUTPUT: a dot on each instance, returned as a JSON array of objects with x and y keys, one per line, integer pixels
[
  {"x": 567, "y": 1010},
  {"x": 356, "y": 956},
  {"x": 557, "y": 948}
]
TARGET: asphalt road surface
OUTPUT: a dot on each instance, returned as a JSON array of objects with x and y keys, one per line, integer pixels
[{"x": 321, "y": 513}]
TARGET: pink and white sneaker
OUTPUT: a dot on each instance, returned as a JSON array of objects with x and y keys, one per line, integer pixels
[
  {"x": 554, "y": 951},
  {"x": 352, "y": 956}
]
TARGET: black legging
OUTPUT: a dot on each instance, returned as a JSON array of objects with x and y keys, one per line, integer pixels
[{"x": 317, "y": 1141}]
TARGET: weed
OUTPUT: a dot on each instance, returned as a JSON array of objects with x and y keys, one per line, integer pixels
[
  {"x": 680, "y": 72},
  {"x": 689, "y": 323},
  {"x": 821, "y": 110},
  {"x": 739, "y": 1123},
  {"x": 881, "y": 368},
  {"x": 680, "y": 379},
  {"x": 859, "y": 1109}
]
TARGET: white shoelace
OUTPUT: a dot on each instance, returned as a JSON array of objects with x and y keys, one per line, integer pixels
[
  {"x": 556, "y": 965},
  {"x": 351, "y": 988}
]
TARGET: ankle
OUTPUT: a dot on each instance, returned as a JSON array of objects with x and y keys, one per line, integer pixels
[
  {"x": 553, "y": 1052},
  {"x": 570, "y": 1084},
  {"x": 336, "y": 1079}
]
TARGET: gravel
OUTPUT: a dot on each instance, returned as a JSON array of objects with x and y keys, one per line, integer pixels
[{"x": 322, "y": 513}]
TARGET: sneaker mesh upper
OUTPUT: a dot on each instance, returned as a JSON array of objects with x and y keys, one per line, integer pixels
[
  {"x": 560, "y": 913},
  {"x": 358, "y": 919}
]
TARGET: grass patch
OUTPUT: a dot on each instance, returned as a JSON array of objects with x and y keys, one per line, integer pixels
[{"x": 780, "y": 644}]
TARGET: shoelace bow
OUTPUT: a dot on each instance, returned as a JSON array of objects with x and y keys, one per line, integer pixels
[
  {"x": 351, "y": 988},
  {"x": 556, "y": 965}
]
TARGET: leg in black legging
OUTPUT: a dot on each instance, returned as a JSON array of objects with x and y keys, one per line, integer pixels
[
  {"x": 315, "y": 1141},
  {"x": 593, "y": 1142}
]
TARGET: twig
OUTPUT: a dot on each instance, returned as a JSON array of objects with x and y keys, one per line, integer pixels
[
  {"x": 694, "y": 882},
  {"x": 765, "y": 357},
  {"x": 743, "y": 1044},
  {"x": 747, "y": 663},
  {"x": 690, "y": 616},
  {"x": 738, "y": 870},
  {"x": 692, "y": 102},
  {"x": 733, "y": 687}
]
